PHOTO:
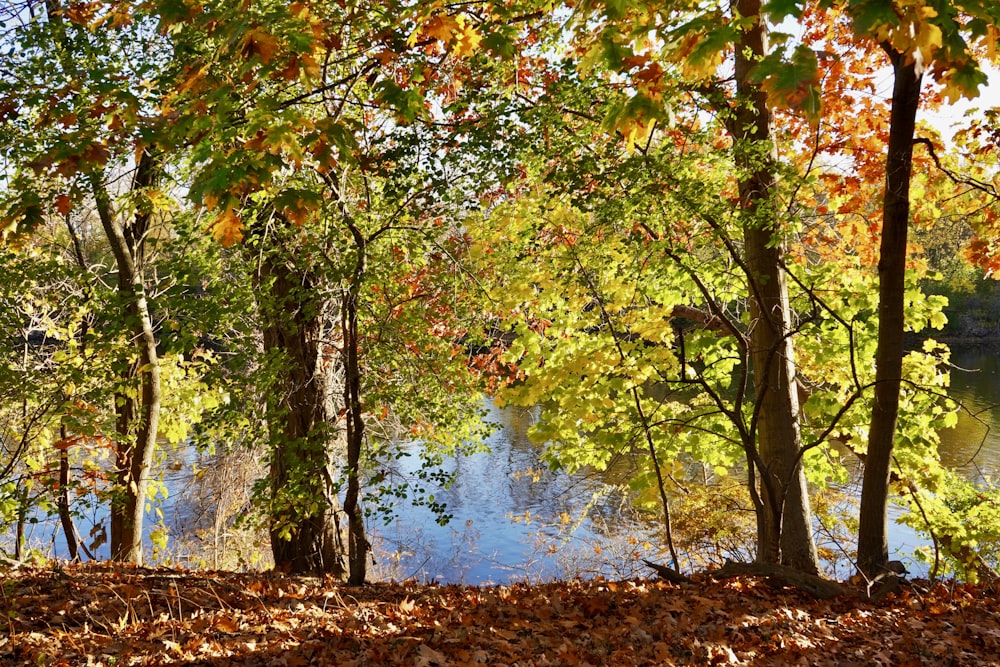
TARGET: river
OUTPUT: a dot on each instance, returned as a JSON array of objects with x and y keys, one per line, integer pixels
[
  {"x": 484, "y": 542},
  {"x": 514, "y": 519},
  {"x": 973, "y": 446}
]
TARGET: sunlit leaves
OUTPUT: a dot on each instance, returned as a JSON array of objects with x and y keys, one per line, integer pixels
[
  {"x": 228, "y": 226},
  {"x": 794, "y": 83},
  {"x": 458, "y": 34},
  {"x": 638, "y": 621}
]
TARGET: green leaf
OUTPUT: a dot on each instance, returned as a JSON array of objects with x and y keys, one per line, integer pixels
[
  {"x": 406, "y": 102},
  {"x": 500, "y": 45},
  {"x": 615, "y": 9},
  {"x": 779, "y": 10}
]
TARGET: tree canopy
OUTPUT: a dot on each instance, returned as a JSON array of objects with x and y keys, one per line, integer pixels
[{"x": 325, "y": 232}]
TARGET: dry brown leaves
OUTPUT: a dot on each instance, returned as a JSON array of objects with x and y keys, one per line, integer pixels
[{"x": 100, "y": 614}]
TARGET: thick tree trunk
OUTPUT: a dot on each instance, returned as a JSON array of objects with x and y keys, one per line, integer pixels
[
  {"x": 873, "y": 548},
  {"x": 784, "y": 530},
  {"x": 305, "y": 535}
]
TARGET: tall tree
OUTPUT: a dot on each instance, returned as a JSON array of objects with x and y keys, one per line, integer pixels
[
  {"x": 664, "y": 73},
  {"x": 310, "y": 167},
  {"x": 785, "y": 535},
  {"x": 80, "y": 130},
  {"x": 303, "y": 404},
  {"x": 940, "y": 38}
]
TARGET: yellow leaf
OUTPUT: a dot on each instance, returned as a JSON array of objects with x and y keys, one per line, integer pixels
[
  {"x": 926, "y": 43},
  {"x": 467, "y": 40},
  {"x": 992, "y": 43},
  {"x": 440, "y": 27},
  {"x": 461, "y": 37}
]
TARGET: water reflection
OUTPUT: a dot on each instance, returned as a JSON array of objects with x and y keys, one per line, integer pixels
[
  {"x": 484, "y": 544},
  {"x": 492, "y": 487},
  {"x": 972, "y": 448},
  {"x": 506, "y": 508}
]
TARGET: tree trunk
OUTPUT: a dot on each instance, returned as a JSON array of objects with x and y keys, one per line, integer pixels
[
  {"x": 357, "y": 542},
  {"x": 305, "y": 535},
  {"x": 138, "y": 421},
  {"x": 784, "y": 530},
  {"x": 22, "y": 519},
  {"x": 873, "y": 548},
  {"x": 65, "y": 518},
  {"x": 137, "y": 424}
]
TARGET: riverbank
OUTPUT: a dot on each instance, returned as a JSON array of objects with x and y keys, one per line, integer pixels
[{"x": 103, "y": 614}]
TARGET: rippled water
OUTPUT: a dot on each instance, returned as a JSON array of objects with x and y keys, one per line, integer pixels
[
  {"x": 482, "y": 544},
  {"x": 507, "y": 506}
]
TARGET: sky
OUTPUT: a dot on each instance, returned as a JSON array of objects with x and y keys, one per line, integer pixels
[{"x": 950, "y": 115}]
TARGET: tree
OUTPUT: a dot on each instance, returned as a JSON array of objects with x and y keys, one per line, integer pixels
[
  {"x": 770, "y": 436},
  {"x": 70, "y": 120},
  {"x": 314, "y": 169},
  {"x": 916, "y": 37},
  {"x": 785, "y": 534},
  {"x": 88, "y": 153},
  {"x": 640, "y": 91}
]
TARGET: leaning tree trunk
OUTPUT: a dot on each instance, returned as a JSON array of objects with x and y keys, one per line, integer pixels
[
  {"x": 873, "y": 547},
  {"x": 302, "y": 413},
  {"x": 138, "y": 419},
  {"x": 63, "y": 504},
  {"x": 784, "y": 529}
]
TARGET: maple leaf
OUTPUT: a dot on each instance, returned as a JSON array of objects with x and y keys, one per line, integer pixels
[
  {"x": 461, "y": 38},
  {"x": 466, "y": 40},
  {"x": 228, "y": 227},
  {"x": 258, "y": 42},
  {"x": 794, "y": 84},
  {"x": 63, "y": 204},
  {"x": 440, "y": 27},
  {"x": 963, "y": 80}
]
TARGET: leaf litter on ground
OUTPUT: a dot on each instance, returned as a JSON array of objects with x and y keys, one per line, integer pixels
[{"x": 112, "y": 614}]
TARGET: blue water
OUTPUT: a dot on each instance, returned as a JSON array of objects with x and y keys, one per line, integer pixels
[{"x": 513, "y": 519}]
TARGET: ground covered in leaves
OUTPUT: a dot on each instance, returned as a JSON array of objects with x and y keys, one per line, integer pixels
[{"x": 100, "y": 614}]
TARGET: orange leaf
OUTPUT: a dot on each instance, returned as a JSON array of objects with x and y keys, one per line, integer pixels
[
  {"x": 228, "y": 228},
  {"x": 64, "y": 204},
  {"x": 259, "y": 43}
]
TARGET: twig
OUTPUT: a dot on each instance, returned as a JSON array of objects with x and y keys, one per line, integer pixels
[{"x": 974, "y": 183}]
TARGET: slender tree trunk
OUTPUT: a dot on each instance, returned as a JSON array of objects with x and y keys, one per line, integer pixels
[
  {"x": 357, "y": 542},
  {"x": 138, "y": 421},
  {"x": 22, "y": 519},
  {"x": 873, "y": 548},
  {"x": 65, "y": 518},
  {"x": 305, "y": 535},
  {"x": 784, "y": 531},
  {"x": 137, "y": 424}
]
